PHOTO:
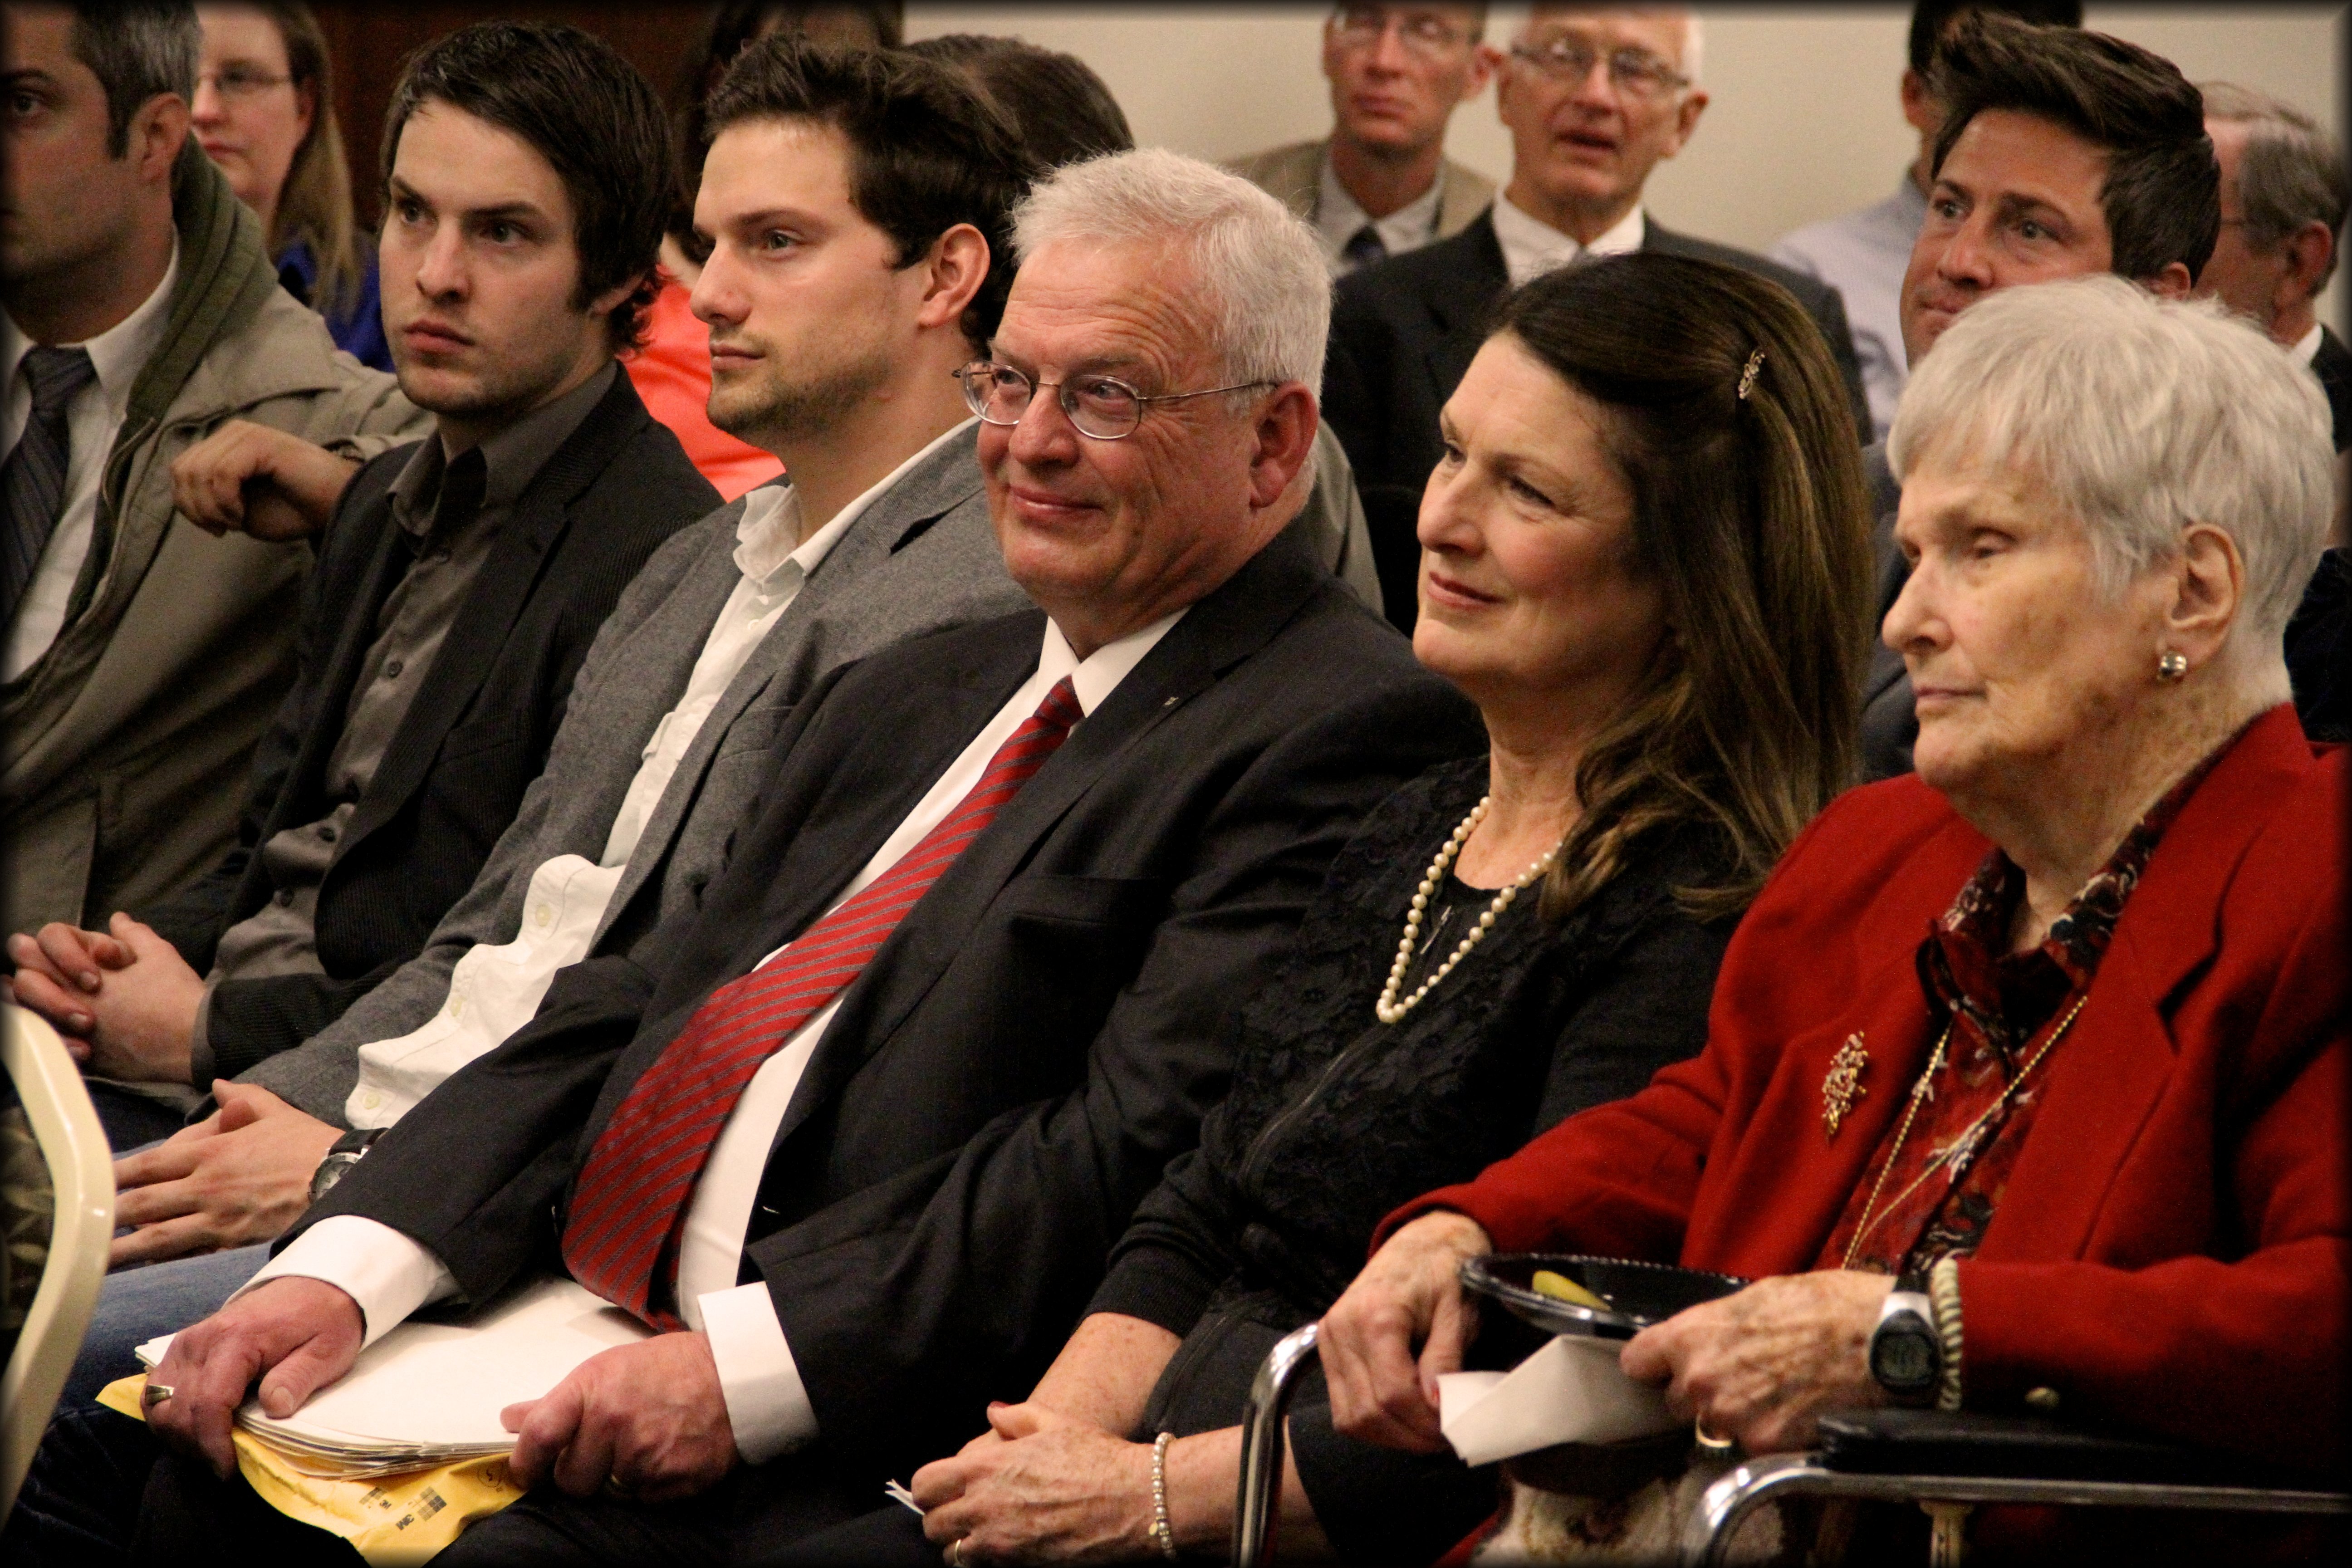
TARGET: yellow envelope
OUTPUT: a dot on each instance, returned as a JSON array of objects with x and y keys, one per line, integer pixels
[{"x": 393, "y": 1521}]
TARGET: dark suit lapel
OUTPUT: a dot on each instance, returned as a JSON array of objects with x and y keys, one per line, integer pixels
[
  {"x": 1223, "y": 628},
  {"x": 1460, "y": 310},
  {"x": 518, "y": 561}
]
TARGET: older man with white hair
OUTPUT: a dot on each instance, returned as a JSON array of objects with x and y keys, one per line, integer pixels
[
  {"x": 1595, "y": 98},
  {"x": 858, "y": 1149}
]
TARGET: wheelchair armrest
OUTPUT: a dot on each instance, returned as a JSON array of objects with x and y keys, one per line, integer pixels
[{"x": 1967, "y": 1443}]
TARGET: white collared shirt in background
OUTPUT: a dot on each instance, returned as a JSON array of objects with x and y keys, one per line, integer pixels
[
  {"x": 2307, "y": 347},
  {"x": 93, "y": 417},
  {"x": 495, "y": 989},
  {"x": 391, "y": 1276},
  {"x": 1532, "y": 247}
]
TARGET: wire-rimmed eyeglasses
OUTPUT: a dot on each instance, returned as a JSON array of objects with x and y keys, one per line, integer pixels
[
  {"x": 1636, "y": 72},
  {"x": 1101, "y": 406}
]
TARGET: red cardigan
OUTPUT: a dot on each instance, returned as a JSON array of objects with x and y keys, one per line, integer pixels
[{"x": 2171, "y": 1250}]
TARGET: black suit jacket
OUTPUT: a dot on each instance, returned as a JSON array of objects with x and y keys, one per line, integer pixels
[
  {"x": 2333, "y": 364},
  {"x": 1403, "y": 333},
  {"x": 474, "y": 737},
  {"x": 1037, "y": 1038}
]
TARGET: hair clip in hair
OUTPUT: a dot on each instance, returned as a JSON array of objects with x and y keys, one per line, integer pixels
[{"x": 1748, "y": 376}]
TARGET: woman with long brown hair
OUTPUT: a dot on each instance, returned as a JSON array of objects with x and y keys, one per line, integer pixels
[
  {"x": 264, "y": 112},
  {"x": 1644, "y": 557}
]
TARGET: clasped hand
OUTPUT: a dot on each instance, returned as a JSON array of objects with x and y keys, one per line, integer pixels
[
  {"x": 124, "y": 999},
  {"x": 239, "y": 1176},
  {"x": 1757, "y": 1366}
]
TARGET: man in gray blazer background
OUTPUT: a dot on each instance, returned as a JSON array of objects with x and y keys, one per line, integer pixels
[{"x": 1380, "y": 184}]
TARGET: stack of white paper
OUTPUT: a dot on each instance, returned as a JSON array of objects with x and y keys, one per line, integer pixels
[
  {"x": 429, "y": 1394},
  {"x": 1571, "y": 1391}
]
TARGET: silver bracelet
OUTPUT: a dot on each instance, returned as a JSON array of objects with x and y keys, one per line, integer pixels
[
  {"x": 1162, "y": 1532},
  {"x": 1944, "y": 1294}
]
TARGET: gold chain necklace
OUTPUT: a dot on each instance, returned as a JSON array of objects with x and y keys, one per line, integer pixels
[
  {"x": 1388, "y": 1009},
  {"x": 1920, "y": 1093}
]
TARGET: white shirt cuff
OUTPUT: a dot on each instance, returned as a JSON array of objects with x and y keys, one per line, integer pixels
[
  {"x": 766, "y": 1403},
  {"x": 388, "y": 1274}
]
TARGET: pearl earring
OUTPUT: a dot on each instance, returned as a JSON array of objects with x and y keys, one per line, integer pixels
[{"x": 2172, "y": 667}]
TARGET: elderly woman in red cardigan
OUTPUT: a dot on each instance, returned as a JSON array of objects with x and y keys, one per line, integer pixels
[{"x": 2053, "y": 1033}]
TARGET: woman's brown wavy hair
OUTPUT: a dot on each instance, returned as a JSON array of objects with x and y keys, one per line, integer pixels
[
  {"x": 315, "y": 205},
  {"x": 1750, "y": 514}
]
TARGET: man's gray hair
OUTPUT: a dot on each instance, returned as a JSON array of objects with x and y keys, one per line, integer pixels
[
  {"x": 1256, "y": 267},
  {"x": 2140, "y": 416},
  {"x": 2291, "y": 173},
  {"x": 136, "y": 49}
]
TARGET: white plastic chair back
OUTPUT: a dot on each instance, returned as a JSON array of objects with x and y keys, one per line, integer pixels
[{"x": 81, "y": 1171}]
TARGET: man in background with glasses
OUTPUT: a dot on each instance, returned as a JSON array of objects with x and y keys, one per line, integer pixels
[
  {"x": 1380, "y": 184},
  {"x": 855, "y": 1131},
  {"x": 1594, "y": 100}
]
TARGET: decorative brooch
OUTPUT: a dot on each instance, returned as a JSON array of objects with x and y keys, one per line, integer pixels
[{"x": 1843, "y": 1086}]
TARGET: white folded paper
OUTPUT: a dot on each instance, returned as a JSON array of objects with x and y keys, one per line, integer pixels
[
  {"x": 428, "y": 1393},
  {"x": 1571, "y": 1391}
]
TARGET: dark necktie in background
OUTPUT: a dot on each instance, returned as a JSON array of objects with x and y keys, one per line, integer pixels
[
  {"x": 1363, "y": 248},
  {"x": 33, "y": 481},
  {"x": 629, "y": 1205}
]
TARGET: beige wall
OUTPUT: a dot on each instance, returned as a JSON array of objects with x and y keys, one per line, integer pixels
[{"x": 1804, "y": 121}]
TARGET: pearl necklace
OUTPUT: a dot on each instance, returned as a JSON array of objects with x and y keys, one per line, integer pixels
[{"x": 1388, "y": 1009}]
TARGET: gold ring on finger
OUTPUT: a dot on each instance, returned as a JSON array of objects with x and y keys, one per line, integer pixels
[{"x": 1709, "y": 1443}]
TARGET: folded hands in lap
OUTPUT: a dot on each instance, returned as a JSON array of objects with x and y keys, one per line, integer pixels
[
  {"x": 646, "y": 1421},
  {"x": 239, "y": 1176},
  {"x": 124, "y": 999},
  {"x": 1757, "y": 1366},
  {"x": 1039, "y": 1486}
]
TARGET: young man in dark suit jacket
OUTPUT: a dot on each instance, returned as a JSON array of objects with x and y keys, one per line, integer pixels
[
  {"x": 458, "y": 583},
  {"x": 1594, "y": 101},
  {"x": 986, "y": 1057}
]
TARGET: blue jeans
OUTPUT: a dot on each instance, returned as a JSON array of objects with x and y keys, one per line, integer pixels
[{"x": 137, "y": 1304}]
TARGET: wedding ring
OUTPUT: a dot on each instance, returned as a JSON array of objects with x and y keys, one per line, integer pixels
[
  {"x": 154, "y": 1393},
  {"x": 1709, "y": 1443},
  {"x": 955, "y": 1553}
]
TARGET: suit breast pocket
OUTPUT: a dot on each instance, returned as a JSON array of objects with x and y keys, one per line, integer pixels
[
  {"x": 754, "y": 729},
  {"x": 1076, "y": 942}
]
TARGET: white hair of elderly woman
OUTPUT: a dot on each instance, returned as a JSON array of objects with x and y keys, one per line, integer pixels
[
  {"x": 2140, "y": 416},
  {"x": 1256, "y": 266}
]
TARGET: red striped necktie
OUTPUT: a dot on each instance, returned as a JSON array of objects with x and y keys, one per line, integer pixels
[{"x": 628, "y": 1210}]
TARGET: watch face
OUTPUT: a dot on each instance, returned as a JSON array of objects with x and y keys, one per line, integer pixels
[{"x": 1904, "y": 1359}]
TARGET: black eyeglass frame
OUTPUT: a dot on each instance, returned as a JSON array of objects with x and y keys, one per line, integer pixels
[{"x": 976, "y": 397}]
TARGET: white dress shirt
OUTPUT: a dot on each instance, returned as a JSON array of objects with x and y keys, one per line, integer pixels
[
  {"x": 495, "y": 989},
  {"x": 391, "y": 1276},
  {"x": 1532, "y": 247},
  {"x": 1339, "y": 216},
  {"x": 93, "y": 417},
  {"x": 2307, "y": 347}
]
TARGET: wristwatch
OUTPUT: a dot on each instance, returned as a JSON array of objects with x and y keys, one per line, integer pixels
[
  {"x": 1906, "y": 1354},
  {"x": 340, "y": 1159}
]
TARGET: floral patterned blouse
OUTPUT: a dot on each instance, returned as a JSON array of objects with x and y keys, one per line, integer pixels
[{"x": 2005, "y": 1011}]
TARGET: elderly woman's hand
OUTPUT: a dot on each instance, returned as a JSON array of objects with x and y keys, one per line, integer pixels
[
  {"x": 1761, "y": 1365},
  {"x": 1040, "y": 1487},
  {"x": 1407, "y": 1300}
]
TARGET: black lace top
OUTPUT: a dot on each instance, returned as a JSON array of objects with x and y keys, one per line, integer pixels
[{"x": 1335, "y": 1119}]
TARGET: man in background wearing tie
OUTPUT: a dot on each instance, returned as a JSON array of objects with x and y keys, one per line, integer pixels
[{"x": 1380, "y": 184}]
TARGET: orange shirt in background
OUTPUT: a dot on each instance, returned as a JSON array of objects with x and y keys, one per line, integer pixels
[{"x": 672, "y": 374}]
